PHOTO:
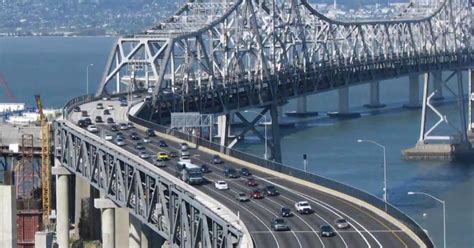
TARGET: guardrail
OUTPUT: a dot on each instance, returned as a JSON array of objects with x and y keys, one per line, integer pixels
[{"x": 323, "y": 181}]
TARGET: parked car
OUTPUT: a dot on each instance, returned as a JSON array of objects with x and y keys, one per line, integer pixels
[
  {"x": 143, "y": 154},
  {"x": 222, "y": 185},
  {"x": 256, "y": 194},
  {"x": 134, "y": 136},
  {"x": 150, "y": 132},
  {"x": 77, "y": 109},
  {"x": 326, "y": 231},
  {"x": 100, "y": 106},
  {"x": 216, "y": 159},
  {"x": 303, "y": 207},
  {"x": 242, "y": 197},
  {"x": 205, "y": 168},
  {"x": 139, "y": 146},
  {"x": 114, "y": 128},
  {"x": 271, "y": 190},
  {"x": 119, "y": 141},
  {"x": 341, "y": 223},
  {"x": 279, "y": 224},
  {"x": 110, "y": 120},
  {"x": 162, "y": 143},
  {"x": 244, "y": 172},
  {"x": 92, "y": 129},
  {"x": 159, "y": 162},
  {"x": 286, "y": 212},
  {"x": 252, "y": 182},
  {"x": 108, "y": 136},
  {"x": 231, "y": 173},
  {"x": 98, "y": 119},
  {"x": 106, "y": 112}
]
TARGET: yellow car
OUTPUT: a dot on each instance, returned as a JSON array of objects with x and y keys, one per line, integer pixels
[{"x": 163, "y": 155}]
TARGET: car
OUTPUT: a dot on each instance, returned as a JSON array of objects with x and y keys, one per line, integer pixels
[
  {"x": 143, "y": 154},
  {"x": 99, "y": 106},
  {"x": 285, "y": 212},
  {"x": 185, "y": 154},
  {"x": 252, "y": 182},
  {"x": 122, "y": 98},
  {"x": 110, "y": 107},
  {"x": 231, "y": 173},
  {"x": 123, "y": 103},
  {"x": 303, "y": 207},
  {"x": 270, "y": 190},
  {"x": 88, "y": 121},
  {"x": 98, "y": 119},
  {"x": 222, "y": 185},
  {"x": 146, "y": 139},
  {"x": 150, "y": 132},
  {"x": 162, "y": 143},
  {"x": 163, "y": 155},
  {"x": 81, "y": 123},
  {"x": 108, "y": 136},
  {"x": 136, "y": 95},
  {"x": 105, "y": 97},
  {"x": 119, "y": 141},
  {"x": 279, "y": 224},
  {"x": 110, "y": 120},
  {"x": 130, "y": 125},
  {"x": 242, "y": 197},
  {"x": 184, "y": 147},
  {"x": 106, "y": 112},
  {"x": 134, "y": 136},
  {"x": 159, "y": 162},
  {"x": 256, "y": 194},
  {"x": 92, "y": 129},
  {"x": 84, "y": 113},
  {"x": 341, "y": 223},
  {"x": 205, "y": 168},
  {"x": 139, "y": 146},
  {"x": 113, "y": 128},
  {"x": 123, "y": 126},
  {"x": 173, "y": 155},
  {"x": 326, "y": 231},
  {"x": 216, "y": 159},
  {"x": 77, "y": 109},
  {"x": 120, "y": 134},
  {"x": 244, "y": 172}
]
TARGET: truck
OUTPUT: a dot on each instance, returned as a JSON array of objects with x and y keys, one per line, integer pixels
[
  {"x": 189, "y": 172},
  {"x": 303, "y": 207}
]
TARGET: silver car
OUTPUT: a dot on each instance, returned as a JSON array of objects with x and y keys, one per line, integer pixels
[
  {"x": 159, "y": 162},
  {"x": 242, "y": 197},
  {"x": 341, "y": 223},
  {"x": 279, "y": 224},
  {"x": 143, "y": 155},
  {"x": 119, "y": 141}
]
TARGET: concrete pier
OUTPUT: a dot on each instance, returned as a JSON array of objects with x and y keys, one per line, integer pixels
[
  {"x": 343, "y": 106},
  {"x": 62, "y": 204},
  {"x": 8, "y": 232},
  {"x": 301, "y": 109},
  {"x": 107, "y": 208},
  {"x": 135, "y": 233},
  {"x": 414, "y": 92},
  {"x": 374, "y": 96}
]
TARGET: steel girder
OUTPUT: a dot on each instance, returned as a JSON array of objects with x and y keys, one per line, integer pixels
[
  {"x": 208, "y": 45},
  {"x": 158, "y": 200}
]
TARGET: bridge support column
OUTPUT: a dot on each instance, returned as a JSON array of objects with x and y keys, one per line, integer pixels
[
  {"x": 343, "y": 106},
  {"x": 223, "y": 130},
  {"x": 107, "y": 208},
  {"x": 276, "y": 148},
  {"x": 137, "y": 234},
  {"x": 301, "y": 109},
  {"x": 438, "y": 85},
  {"x": 62, "y": 204},
  {"x": 414, "y": 92},
  {"x": 470, "y": 111},
  {"x": 374, "y": 96}
]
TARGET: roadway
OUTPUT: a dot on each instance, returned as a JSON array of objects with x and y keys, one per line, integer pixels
[{"x": 366, "y": 228}]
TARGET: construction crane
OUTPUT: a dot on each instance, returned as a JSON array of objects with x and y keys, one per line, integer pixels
[
  {"x": 45, "y": 162},
  {"x": 8, "y": 91}
]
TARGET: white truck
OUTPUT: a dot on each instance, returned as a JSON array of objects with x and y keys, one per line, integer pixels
[{"x": 303, "y": 207}]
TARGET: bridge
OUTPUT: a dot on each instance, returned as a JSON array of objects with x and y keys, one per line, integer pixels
[{"x": 219, "y": 58}]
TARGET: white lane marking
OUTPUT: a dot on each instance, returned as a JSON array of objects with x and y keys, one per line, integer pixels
[
  {"x": 327, "y": 206},
  {"x": 243, "y": 207}
]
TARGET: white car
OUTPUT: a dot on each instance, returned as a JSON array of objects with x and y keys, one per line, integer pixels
[
  {"x": 110, "y": 107},
  {"x": 303, "y": 207},
  {"x": 108, "y": 137},
  {"x": 92, "y": 128},
  {"x": 221, "y": 185}
]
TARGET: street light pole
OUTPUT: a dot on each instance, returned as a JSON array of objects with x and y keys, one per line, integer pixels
[
  {"x": 444, "y": 211},
  {"x": 385, "y": 194},
  {"x": 265, "y": 131},
  {"x": 87, "y": 77}
]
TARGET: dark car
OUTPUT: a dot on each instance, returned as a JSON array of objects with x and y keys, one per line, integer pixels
[
  {"x": 88, "y": 121},
  {"x": 216, "y": 159},
  {"x": 81, "y": 123},
  {"x": 134, "y": 136},
  {"x": 270, "y": 190},
  {"x": 77, "y": 109},
  {"x": 122, "y": 98},
  {"x": 139, "y": 146},
  {"x": 98, "y": 119},
  {"x": 173, "y": 155},
  {"x": 252, "y": 182},
  {"x": 286, "y": 212},
  {"x": 150, "y": 132},
  {"x": 119, "y": 134},
  {"x": 205, "y": 168},
  {"x": 279, "y": 224},
  {"x": 162, "y": 143},
  {"x": 114, "y": 128},
  {"x": 245, "y": 172},
  {"x": 110, "y": 120},
  {"x": 326, "y": 231},
  {"x": 84, "y": 113},
  {"x": 123, "y": 103},
  {"x": 231, "y": 173},
  {"x": 130, "y": 125},
  {"x": 256, "y": 194},
  {"x": 106, "y": 112}
]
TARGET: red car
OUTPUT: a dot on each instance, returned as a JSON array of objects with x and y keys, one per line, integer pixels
[
  {"x": 252, "y": 182},
  {"x": 256, "y": 194}
]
